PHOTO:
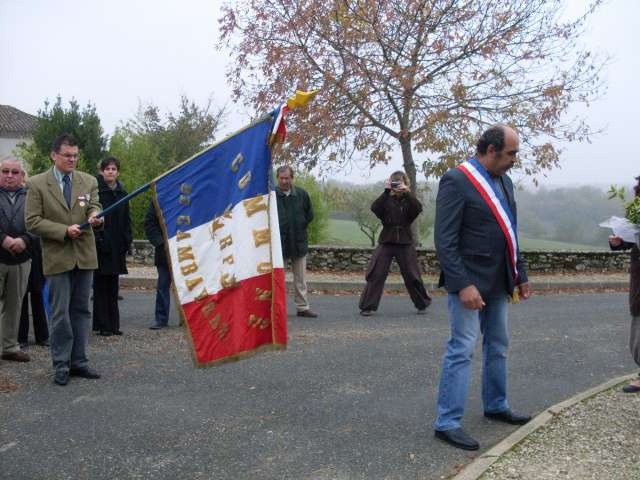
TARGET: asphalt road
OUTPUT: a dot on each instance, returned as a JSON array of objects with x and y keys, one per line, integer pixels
[{"x": 351, "y": 397}]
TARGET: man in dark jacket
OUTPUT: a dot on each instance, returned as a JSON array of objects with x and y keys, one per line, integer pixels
[
  {"x": 397, "y": 208},
  {"x": 477, "y": 247},
  {"x": 294, "y": 216},
  {"x": 15, "y": 256},
  {"x": 153, "y": 232}
]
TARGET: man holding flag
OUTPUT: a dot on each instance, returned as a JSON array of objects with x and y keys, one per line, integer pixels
[{"x": 476, "y": 244}]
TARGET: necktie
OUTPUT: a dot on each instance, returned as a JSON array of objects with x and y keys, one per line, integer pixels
[{"x": 66, "y": 189}]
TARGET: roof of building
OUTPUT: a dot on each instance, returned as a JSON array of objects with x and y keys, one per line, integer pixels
[{"x": 14, "y": 122}]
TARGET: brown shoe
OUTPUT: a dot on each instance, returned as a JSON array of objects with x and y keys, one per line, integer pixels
[
  {"x": 307, "y": 313},
  {"x": 16, "y": 357}
]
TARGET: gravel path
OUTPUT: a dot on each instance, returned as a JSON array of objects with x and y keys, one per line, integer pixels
[{"x": 595, "y": 439}]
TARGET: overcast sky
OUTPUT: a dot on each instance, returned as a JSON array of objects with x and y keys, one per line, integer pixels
[{"x": 116, "y": 53}]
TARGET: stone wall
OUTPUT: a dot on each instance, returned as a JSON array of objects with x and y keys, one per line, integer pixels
[{"x": 354, "y": 259}]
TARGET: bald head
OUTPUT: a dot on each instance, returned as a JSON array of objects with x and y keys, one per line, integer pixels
[{"x": 497, "y": 149}]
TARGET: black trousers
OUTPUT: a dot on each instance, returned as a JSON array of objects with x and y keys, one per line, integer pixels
[
  {"x": 40, "y": 327},
  {"x": 378, "y": 269},
  {"x": 106, "y": 314}
]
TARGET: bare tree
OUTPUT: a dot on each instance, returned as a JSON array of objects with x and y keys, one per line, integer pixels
[{"x": 422, "y": 75}]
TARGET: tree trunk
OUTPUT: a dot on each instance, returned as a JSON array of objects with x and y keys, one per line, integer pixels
[
  {"x": 408, "y": 163},
  {"x": 410, "y": 170}
]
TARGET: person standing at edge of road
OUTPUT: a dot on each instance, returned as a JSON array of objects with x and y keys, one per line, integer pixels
[
  {"x": 153, "y": 232},
  {"x": 295, "y": 213},
  {"x": 481, "y": 266},
  {"x": 112, "y": 244},
  {"x": 396, "y": 208},
  {"x": 616, "y": 243},
  {"x": 15, "y": 256},
  {"x": 58, "y": 202}
]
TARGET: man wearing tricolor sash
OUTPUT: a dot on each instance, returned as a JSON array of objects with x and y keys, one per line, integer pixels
[{"x": 481, "y": 269}]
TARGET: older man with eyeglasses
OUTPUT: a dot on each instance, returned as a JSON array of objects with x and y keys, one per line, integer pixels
[{"x": 15, "y": 256}]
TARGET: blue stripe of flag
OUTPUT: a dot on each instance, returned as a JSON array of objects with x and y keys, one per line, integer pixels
[{"x": 209, "y": 182}]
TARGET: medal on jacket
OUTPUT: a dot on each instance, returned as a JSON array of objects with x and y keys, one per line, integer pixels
[{"x": 83, "y": 199}]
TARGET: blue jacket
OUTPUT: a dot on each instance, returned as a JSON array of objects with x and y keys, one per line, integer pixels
[{"x": 470, "y": 245}]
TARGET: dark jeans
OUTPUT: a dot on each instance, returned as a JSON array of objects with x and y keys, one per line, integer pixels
[
  {"x": 378, "y": 269},
  {"x": 163, "y": 296},
  {"x": 40, "y": 327}
]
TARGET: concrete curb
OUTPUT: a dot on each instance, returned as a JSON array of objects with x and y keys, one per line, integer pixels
[
  {"x": 480, "y": 465},
  {"x": 357, "y": 286}
]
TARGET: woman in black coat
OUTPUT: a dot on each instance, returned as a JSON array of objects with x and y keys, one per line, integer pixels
[{"x": 112, "y": 244}]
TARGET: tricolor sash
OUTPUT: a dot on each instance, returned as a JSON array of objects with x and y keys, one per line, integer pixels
[{"x": 481, "y": 180}]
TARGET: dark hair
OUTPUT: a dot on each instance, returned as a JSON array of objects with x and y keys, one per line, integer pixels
[
  {"x": 493, "y": 136},
  {"x": 104, "y": 163},
  {"x": 637, "y": 187},
  {"x": 400, "y": 175},
  {"x": 64, "y": 139},
  {"x": 283, "y": 168}
]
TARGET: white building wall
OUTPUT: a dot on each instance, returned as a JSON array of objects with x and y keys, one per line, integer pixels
[{"x": 7, "y": 145}]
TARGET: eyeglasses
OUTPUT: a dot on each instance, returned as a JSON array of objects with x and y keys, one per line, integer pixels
[
  {"x": 6, "y": 171},
  {"x": 69, "y": 156}
]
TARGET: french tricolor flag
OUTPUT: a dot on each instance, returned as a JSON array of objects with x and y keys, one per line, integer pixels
[{"x": 220, "y": 219}]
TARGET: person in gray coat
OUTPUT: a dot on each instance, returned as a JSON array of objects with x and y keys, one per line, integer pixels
[{"x": 15, "y": 256}]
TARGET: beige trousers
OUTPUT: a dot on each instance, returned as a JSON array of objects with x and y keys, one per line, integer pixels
[
  {"x": 13, "y": 285},
  {"x": 299, "y": 268}
]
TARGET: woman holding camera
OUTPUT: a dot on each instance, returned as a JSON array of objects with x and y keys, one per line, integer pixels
[{"x": 396, "y": 208}]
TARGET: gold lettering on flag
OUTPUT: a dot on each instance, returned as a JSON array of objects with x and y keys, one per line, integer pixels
[
  {"x": 235, "y": 164},
  {"x": 263, "y": 267},
  {"x": 228, "y": 280},
  {"x": 216, "y": 225},
  {"x": 254, "y": 205},
  {"x": 193, "y": 282},
  {"x": 263, "y": 295},
  {"x": 184, "y": 220},
  {"x": 203, "y": 294},
  {"x": 227, "y": 211},
  {"x": 228, "y": 259},
  {"x": 208, "y": 308},
  {"x": 244, "y": 181},
  {"x": 185, "y": 188},
  {"x": 182, "y": 235},
  {"x": 260, "y": 237},
  {"x": 189, "y": 269},
  {"x": 255, "y": 321},
  {"x": 185, "y": 253},
  {"x": 221, "y": 327},
  {"x": 226, "y": 242},
  {"x": 184, "y": 200}
]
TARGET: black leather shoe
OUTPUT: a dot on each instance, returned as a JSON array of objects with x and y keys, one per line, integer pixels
[
  {"x": 307, "y": 313},
  {"x": 61, "y": 377},
  {"x": 104, "y": 333},
  {"x": 509, "y": 416},
  {"x": 631, "y": 388},
  {"x": 458, "y": 438},
  {"x": 84, "y": 373}
]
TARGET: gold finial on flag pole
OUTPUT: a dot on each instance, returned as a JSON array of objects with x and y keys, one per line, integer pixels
[{"x": 301, "y": 98}]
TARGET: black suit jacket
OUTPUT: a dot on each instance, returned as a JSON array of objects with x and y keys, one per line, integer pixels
[{"x": 470, "y": 245}]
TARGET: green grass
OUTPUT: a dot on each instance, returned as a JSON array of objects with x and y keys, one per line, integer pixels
[{"x": 347, "y": 233}]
